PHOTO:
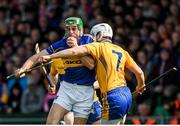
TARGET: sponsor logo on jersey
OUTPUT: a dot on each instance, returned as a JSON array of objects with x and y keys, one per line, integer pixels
[{"x": 73, "y": 62}]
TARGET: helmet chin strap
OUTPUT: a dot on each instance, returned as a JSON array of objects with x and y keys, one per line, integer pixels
[{"x": 81, "y": 32}]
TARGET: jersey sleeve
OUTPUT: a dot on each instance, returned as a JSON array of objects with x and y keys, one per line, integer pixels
[
  {"x": 53, "y": 69},
  {"x": 129, "y": 60},
  {"x": 93, "y": 49},
  {"x": 56, "y": 67},
  {"x": 85, "y": 39},
  {"x": 56, "y": 46}
]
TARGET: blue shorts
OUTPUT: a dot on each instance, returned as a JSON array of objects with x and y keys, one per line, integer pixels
[
  {"x": 118, "y": 103},
  {"x": 95, "y": 114}
]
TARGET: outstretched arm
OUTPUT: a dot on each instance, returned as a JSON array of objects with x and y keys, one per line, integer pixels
[
  {"x": 33, "y": 59},
  {"x": 30, "y": 62},
  {"x": 53, "y": 77},
  {"x": 139, "y": 76},
  {"x": 133, "y": 67},
  {"x": 75, "y": 51},
  {"x": 87, "y": 61}
]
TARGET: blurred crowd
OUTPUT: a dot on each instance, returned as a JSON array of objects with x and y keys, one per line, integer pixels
[{"x": 148, "y": 29}]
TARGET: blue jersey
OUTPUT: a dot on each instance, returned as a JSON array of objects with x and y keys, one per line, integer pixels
[{"x": 75, "y": 72}]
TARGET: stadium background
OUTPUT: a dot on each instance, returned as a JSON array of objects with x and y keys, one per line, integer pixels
[{"x": 148, "y": 29}]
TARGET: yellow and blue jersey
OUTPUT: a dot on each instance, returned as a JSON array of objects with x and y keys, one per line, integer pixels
[
  {"x": 111, "y": 62},
  {"x": 75, "y": 72},
  {"x": 57, "y": 66}
]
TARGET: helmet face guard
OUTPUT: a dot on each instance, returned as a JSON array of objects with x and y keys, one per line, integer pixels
[{"x": 74, "y": 21}]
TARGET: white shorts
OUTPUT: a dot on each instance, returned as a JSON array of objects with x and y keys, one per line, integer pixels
[{"x": 76, "y": 98}]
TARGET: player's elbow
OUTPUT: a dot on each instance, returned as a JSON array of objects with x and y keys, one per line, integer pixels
[
  {"x": 79, "y": 51},
  {"x": 91, "y": 64},
  {"x": 74, "y": 53},
  {"x": 140, "y": 73},
  {"x": 34, "y": 58}
]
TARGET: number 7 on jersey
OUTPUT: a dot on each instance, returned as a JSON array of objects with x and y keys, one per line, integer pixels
[{"x": 119, "y": 54}]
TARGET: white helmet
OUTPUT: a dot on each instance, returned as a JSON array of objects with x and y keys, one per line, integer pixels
[{"x": 104, "y": 28}]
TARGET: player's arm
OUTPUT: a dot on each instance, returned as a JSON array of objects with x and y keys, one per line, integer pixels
[
  {"x": 139, "y": 76},
  {"x": 75, "y": 51},
  {"x": 92, "y": 50},
  {"x": 133, "y": 67},
  {"x": 52, "y": 75},
  {"x": 96, "y": 85},
  {"x": 88, "y": 61},
  {"x": 30, "y": 62}
]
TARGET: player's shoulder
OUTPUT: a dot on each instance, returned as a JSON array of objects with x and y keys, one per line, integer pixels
[
  {"x": 117, "y": 46},
  {"x": 87, "y": 36},
  {"x": 60, "y": 40}
]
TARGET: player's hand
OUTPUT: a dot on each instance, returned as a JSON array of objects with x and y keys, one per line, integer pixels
[
  {"x": 52, "y": 90},
  {"x": 19, "y": 72},
  {"x": 72, "y": 41},
  {"x": 44, "y": 58},
  {"x": 140, "y": 89}
]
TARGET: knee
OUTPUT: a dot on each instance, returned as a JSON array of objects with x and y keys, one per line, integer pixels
[
  {"x": 80, "y": 121},
  {"x": 52, "y": 121}
]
